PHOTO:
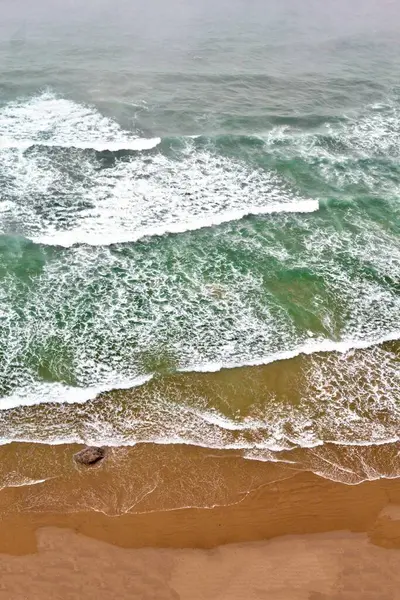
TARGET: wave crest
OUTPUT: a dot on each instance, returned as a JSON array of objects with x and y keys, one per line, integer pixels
[{"x": 102, "y": 200}]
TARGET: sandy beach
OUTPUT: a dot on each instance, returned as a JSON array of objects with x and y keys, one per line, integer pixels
[
  {"x": 335, "y": 566},
  {"x": 200, "y": 282},
  {"x": 297, "y": 535}
]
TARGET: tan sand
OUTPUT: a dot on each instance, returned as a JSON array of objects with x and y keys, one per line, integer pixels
[
  {"x": 147, "y": 496},
  {"x": 336, "y": 566}
]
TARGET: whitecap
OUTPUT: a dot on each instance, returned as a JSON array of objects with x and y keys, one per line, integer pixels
[
  {"x": 48, "y": 392},
  {"x": 92, "y": 233},
  {"x": 129, "y": 197},
  {"x": 99, "y": 146},
  {"x": 48, "y": 119}
]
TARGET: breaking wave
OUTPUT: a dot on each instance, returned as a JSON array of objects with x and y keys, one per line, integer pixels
[{"x": 95, "y": 298}]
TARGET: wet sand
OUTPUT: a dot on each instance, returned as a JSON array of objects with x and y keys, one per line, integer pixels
[
  {"x": 345, "y": 398},
  {"x": 81, "y": 533}
]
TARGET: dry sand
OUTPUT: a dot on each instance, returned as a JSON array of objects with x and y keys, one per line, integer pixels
[{"x": 335, "y": 566}]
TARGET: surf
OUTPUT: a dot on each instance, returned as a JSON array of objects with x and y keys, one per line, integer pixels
[
  {"x": 130, "y": 261},
  {"x": 137, "y": 144},
  {"x": 72, "y": 238},
  {"x": 125, "y": 198}
]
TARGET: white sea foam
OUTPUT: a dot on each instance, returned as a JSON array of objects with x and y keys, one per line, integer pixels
[
  {"x": 99, "y": 146},
  {"x": 317, "y": 346},
  {"x": 16, "y": 480},
  {"x": 100, "y": 309},
  {"x": 121, "y": 233},
  {"x": 356, "y": 146},
  {"x": 38, "y": 392},
  {"x": 49, "y": 120},
  {"x": 208, "y": 312},
  {"x": 355, "y": 397},
  {"x": 133, "y": 197}
]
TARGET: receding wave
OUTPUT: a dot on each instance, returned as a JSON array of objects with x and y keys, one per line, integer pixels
[
  {"x": 14, "y": 480},
  {"x": 345, "y": 399},
  {"x": 55, "y": 392},
  {"x": 144, "y": 479}
]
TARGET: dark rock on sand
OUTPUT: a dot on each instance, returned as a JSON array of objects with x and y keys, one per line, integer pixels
[{"x": 90, "y": 455}]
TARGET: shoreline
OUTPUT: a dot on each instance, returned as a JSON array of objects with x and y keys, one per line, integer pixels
[
  {"x": 276, "y": 532},
  {"x": 181, "y": 497},
  {"x": 324, "y": 349},
  {"x": 261, "y": 411}
]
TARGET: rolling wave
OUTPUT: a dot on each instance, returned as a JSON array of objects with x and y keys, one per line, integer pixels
[
  {"x": 96, "y": 238},
  {"x": 314, "y": 407},
  {"x": 84, "y": 311},
  {"x": 49, "y": 119},
  {"x": 137, "y": 144},
  {"x": 60, "y": 393},
  {"x": 55, "y": 191}
]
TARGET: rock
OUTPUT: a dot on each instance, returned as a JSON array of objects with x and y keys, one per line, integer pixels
[{"x": 89, "y": 455}]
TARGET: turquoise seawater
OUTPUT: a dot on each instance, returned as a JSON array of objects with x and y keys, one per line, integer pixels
[{"x": 193, "y": 186}]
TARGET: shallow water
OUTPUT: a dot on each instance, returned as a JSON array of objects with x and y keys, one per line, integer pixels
[{"x": 191, "y": 188}]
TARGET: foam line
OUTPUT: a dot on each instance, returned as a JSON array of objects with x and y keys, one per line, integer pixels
[
  {"x": 73, "y": 395},
  {"x": 309, "y": 348},
  {"x": 64, "y": 394},
  {"x": 68, "y": 239},
  {"x": 99, "y": 146},
  {"x": 185, "y": 188}
]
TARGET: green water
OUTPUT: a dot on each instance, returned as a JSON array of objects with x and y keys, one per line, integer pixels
[{"x": 188, "y": 188}]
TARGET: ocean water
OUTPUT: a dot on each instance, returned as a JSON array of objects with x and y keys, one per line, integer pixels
[{"x": 199, "y": 223}]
